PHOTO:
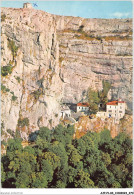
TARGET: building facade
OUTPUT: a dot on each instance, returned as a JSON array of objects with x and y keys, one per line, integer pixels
[
  {"x": 116, "y": 109},
  {"x": 65, "y": 112},
  {"x": 82, "y": 107}
]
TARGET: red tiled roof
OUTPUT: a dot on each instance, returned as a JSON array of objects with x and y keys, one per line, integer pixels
[
  {"x": 83, "y": 104},
  {"x": 114, "y": 102}
]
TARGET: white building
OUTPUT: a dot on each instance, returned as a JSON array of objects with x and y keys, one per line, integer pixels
[
  {"x": 116, "y": 109},
  {"x": 65, "y": 111},
  {"x": 82, "y": 107},
  {"x": 27, "y": 5}
]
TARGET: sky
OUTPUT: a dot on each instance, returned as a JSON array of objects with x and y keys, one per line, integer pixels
[{"x": 85, "y": 9}]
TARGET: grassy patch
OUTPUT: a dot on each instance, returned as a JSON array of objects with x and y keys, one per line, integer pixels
[
  {"x": 80, "y": 34},
  {"x": 123, "y": 54},
  {"x": 62, "y": 46},
  {"x": 117, "y": 38}
]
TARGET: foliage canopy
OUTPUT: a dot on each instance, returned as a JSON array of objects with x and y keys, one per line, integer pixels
[{"x": 58, "y": 161}]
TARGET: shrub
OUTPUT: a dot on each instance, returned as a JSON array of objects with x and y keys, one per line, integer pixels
[
  {"x": 98, "y": 38},
  {"x": 18, "y": 79},
  {"x": 10, "y": 132},
  {"x": 13, "y": 48},
  {"x": 14, "y": 98},
  {"x": 23, "y": 122},
  {"x": 2, "y": 128},
  {"x": 56, "y": 115},
  {"x": 5, "y": 70},
  {"x": 61, "y": 59},
  {"x": 37, "y": 94},
  {"x": 3, "y": 17},
  {"x": 50, "y": 121},
  {"x": 3, "y": 143},
  {"x": 4, "y": 89},
  {"x": 81, "y": 28}
]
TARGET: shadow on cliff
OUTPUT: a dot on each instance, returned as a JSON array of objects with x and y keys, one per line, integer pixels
[{"x": 33, "y": 136}]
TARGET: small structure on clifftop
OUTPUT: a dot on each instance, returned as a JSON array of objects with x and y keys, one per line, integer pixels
[{"x": 27, "y": 5}]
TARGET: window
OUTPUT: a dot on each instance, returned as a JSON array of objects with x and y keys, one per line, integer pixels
[
  {"x": 79, "y": 107},
  {"x": 120, "y": 107},
  {"x": 109, "y": 110},
  {"x": 110, "y": 106},
  {"x": 120, "y": 115},
  {"x": 120, "y": 111}
]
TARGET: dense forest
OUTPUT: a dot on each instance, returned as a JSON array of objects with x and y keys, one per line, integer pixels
[{"x": 56, "y": 160}]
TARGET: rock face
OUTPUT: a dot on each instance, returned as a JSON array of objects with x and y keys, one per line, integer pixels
[
  {"x": 35, "y": 77},
  {"x": 57, "y": 59},
  {"x": 98, "y": 124},
  {"x": 92, "y": 50}
]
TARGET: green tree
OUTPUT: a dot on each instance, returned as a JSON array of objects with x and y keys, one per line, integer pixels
[
  {"x": 73, "y": 156},
  {"x": 42, "y": 144},
  {"x": 45, "y": 134},
  {"x": 39, "y": 180},
  {"x": 13, "y": 145},
  {"x": 106, "y": 158},
  {"x": 3, "y": 174},
  {"x": 52, "y": 159},
  {"x": 63, "y": 134},
  {"x": 47, "y": 169},
  {"x": 93, "y": 100},
  {"x": 82, "y": 180},
  {"x": 13, "y": 48},
  {"x": 103, "y": 94}
]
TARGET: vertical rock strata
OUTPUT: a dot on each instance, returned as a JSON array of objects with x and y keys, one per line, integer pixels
[
  {"x": 57, "y": 59},
  {"x": 39, "y": 87}
]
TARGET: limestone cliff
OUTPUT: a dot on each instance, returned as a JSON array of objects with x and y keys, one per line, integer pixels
[
  {"x": 97, "y": 125},
  {"x": 34, "y": 80},
  {"x": 52, "y": 59},
  {"x": 92, "y": 50}
]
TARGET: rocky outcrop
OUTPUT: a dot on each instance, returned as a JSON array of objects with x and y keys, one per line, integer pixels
[
  {"x": 50, "y": 59},
  {"x": 97, "y": 125}
]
